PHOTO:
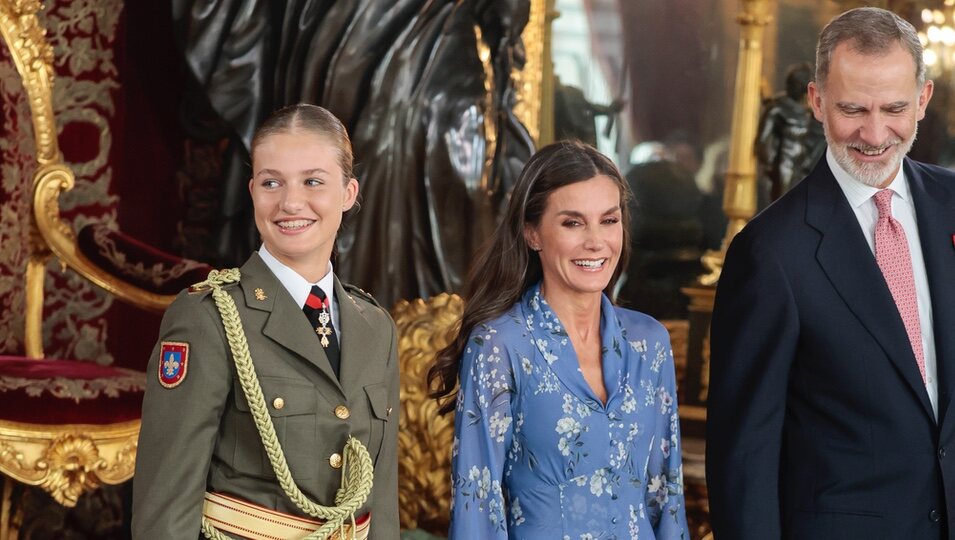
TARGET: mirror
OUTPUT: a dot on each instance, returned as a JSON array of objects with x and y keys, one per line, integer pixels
[{"x": 652, "y": 83}]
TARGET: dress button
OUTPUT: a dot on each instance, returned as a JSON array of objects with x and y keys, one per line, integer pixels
[
  {"x": 342, "y": 412},
  {"x": 278, "y": 403},
  {"x": 935, "y": 516},
  {"x": 942, "y": 453},
  {"x": 335, "y": 460}
]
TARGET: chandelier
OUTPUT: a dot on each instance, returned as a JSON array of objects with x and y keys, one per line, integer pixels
[{"x": 938, "y": 39}]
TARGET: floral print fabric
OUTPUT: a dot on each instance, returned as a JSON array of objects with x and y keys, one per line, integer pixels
[{"x": 537, "y": 455}]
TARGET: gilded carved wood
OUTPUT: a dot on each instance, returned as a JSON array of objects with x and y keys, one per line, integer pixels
[
  {"x": 68, "y": 460},
  {"x": 33, "y": 56},
  {"x": 64, "y": 460},
  {"x": 424, "y": 440}
]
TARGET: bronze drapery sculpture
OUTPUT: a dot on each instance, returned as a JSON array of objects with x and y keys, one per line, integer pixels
[{"x": 424, "y": 86}]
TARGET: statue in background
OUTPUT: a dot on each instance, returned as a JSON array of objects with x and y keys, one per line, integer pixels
[
  {"x": 790, "y": 140},
  {"x": 575, "y": 115},
  {"x": 434, "y": 133}
]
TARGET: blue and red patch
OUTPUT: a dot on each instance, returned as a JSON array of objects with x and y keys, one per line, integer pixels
[{"x": 173, "y": 363}]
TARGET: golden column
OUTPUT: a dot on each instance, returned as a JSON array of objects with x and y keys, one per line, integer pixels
[
  {"x": 739, "y": 196},
  {"x": 739, "y": 202}
]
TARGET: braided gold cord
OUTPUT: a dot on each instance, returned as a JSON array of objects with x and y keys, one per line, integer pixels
[{"x": 357, "y": 467}]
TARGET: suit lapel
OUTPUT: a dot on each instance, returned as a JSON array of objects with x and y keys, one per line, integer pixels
[
  {"x": 286, "y": 324},
  {"x": 935, "y": 212},
  {"x": 845, "y": 257},
  {"x": 356, "y": 338}
]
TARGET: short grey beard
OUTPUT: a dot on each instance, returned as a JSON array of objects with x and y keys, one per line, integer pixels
[{"x": 869, "y": 174}]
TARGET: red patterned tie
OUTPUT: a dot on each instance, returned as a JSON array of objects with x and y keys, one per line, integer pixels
[{"x": 892, "y": 254}]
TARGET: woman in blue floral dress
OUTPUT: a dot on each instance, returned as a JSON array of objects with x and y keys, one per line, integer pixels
[{"x": 566, "y": 422}]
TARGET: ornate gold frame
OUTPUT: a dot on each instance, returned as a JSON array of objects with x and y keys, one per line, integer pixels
[
  {"x": 68, "y": 460},
  {"x": 26, "y": 38}
]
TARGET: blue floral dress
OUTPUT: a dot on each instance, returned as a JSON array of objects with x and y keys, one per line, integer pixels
[{"x": 537, "y": 456}]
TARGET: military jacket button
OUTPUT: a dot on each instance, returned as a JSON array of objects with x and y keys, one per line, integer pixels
[
  {"x": 278, "y": 403},
  {"x": 342, "y": 412},
  {"x": 335, "y": 460}
]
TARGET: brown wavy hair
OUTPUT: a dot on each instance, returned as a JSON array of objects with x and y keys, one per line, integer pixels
[{"x": 506, "y": 267}]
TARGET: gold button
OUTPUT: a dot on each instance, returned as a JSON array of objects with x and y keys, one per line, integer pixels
[
  {"x": 278, "y": 403},
  {"x": 335, "y": 461},
  {"x": 342, "y": 412}
]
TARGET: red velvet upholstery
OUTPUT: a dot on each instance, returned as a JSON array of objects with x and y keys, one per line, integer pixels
[
  {"x": 68, "y": 392},
  {"x": 138, "y": 263}
]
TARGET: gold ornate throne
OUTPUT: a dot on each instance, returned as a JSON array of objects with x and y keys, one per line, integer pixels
[{"x": 67, "y": 426}]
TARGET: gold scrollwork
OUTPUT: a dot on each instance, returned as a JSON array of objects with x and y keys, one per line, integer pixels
[
  {"x": 71, "y": 462},
  {"x": 424, "y": 440},
  {"x": 50, "y": 181},
  {"x": 12, "y": 459},
  {"x": 33, "y": 56},
  {"x": 123, "y": 466}
]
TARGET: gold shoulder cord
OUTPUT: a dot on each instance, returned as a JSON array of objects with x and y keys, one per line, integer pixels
[{"x": 357, "y": 467}]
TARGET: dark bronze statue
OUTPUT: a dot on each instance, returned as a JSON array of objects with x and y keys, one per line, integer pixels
[
  {"x": 432, "y": 124},
  {"x": 790, "y": 140},
  {"x": 574, "y": 114}
]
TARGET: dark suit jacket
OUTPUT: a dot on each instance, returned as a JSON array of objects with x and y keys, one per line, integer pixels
[
  {"x": 200, "y": 435},
  {"x": 819, "y": 424}
]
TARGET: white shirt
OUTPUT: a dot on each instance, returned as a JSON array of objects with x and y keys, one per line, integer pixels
[
  {"x": 299, "y": 287},
  {"x": 860, "y": 197}
]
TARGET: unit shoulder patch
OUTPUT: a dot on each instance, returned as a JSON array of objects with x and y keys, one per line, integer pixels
[{"x": 173, "y": 363}]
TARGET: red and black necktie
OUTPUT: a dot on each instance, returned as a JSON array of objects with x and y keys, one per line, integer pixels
[{"x": 319, "y": 314}]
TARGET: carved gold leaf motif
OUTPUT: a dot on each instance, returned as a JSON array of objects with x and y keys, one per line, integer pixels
[{"x": 424, "y": 440}]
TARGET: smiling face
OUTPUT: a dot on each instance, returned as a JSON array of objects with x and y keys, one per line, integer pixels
[
  {"x": 870, "y": 106},
  {"x": 299, "y": 194},
  {"x": 579, "y": 237}
]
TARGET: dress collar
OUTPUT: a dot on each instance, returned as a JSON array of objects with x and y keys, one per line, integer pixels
[{"x": 550, "y": 337}]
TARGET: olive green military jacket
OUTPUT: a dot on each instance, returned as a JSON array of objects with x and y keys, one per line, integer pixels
[{"x": 199, "y": 435}]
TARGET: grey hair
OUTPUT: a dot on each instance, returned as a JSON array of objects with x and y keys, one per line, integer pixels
[{"x": 869, "y": 31}]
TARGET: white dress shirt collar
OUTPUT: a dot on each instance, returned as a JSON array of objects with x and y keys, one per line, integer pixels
[
  {"x": 858, "y": 193},
  {"x": 298, "y": 287}
]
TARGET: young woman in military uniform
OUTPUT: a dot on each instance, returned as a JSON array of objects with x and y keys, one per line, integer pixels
[{"x": 272, "y": 402}]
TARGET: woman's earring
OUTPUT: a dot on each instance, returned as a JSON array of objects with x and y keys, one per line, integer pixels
[{"x": 535, "y": 248}]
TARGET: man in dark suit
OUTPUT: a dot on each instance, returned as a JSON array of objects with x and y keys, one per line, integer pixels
[{"x": 833, "y": 336}]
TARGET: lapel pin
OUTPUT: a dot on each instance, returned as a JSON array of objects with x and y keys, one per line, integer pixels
[{"x": 260, "y": 295}]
